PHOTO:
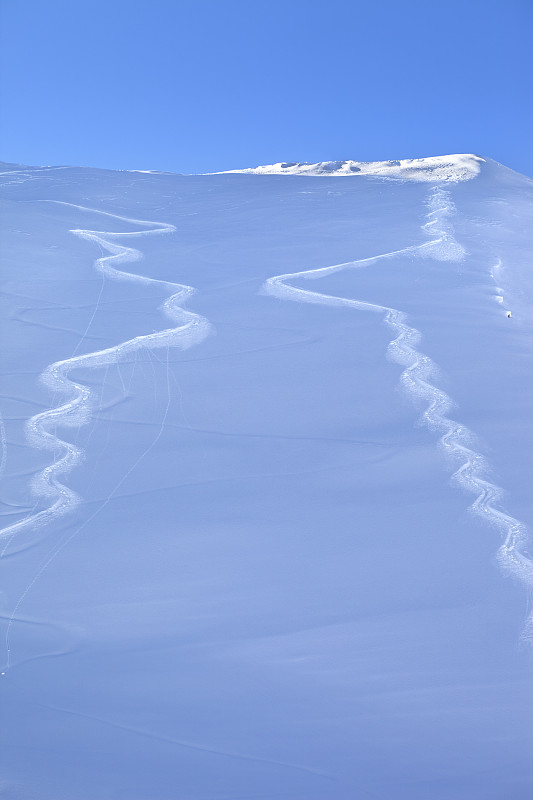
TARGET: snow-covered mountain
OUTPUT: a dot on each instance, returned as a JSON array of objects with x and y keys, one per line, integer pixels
[
  {"x": 453, "y": 168},
  {"x": 266, "y": 482}
]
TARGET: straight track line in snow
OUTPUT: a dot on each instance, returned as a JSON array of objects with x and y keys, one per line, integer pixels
[
  {"x": 188, "y": 745},
  {"x": 3, "y": 444},
  {"x": 456, "y": 440}
]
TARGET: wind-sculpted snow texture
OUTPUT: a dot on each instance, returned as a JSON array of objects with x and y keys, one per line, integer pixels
[{"x": 234, "y": 565}]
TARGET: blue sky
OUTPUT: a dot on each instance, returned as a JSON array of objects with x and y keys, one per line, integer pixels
[{"x": 219, "y": 84}]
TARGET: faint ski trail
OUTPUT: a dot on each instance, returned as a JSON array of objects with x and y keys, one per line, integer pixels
[
  {"x": 3, "y": 444},
  {"x": 189, "y": 745},
  {"x": 44, "y": 566},
  {"x": 496, "y": 274},
  {"x": 457, "y": 441},
  {"x": 76, "y": 411}
]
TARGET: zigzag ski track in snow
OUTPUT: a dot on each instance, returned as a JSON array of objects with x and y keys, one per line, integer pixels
[
  {"x": 189, "y": 329},
  {"x": 456, "y": 440}
]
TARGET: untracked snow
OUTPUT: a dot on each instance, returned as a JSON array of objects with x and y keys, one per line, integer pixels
[{"x": 266, "y": 483}]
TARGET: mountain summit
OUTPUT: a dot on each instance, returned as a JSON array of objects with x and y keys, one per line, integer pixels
[{"x": 436, "y": 168}]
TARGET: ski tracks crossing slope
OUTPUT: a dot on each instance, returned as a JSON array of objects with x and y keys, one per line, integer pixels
[
  {"x": 189, "y": 329},
  {"x": 457, "y": 441}
]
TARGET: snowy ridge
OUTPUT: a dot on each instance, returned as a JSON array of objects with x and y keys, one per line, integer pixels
[
  {"x": 76, "y": 411},
  {"x": 457, "y": 441},
  {"x": 12, "y": 177},
  {"x": 452, "y": 168}
]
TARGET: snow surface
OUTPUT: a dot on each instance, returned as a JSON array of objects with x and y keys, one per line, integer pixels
[
  {"x": 461, "y": 167},
  {"x": 266, "y": 484}
]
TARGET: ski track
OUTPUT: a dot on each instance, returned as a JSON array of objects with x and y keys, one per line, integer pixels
[
  {"x": 189, "y": 745},
  {"x": 191, "y": 329},
  {"x": 457, "y": 441}
]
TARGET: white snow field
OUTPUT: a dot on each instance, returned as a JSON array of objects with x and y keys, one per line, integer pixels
[{"x": 266, "y": 483}]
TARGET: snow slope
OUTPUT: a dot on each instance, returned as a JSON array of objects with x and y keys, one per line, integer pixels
[
  {"x": 281, "y": 546},
  {"x": 452, "y": 168}
]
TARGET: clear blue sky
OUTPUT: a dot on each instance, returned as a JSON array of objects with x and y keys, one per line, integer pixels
[{"x": 218, "y": 84}]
